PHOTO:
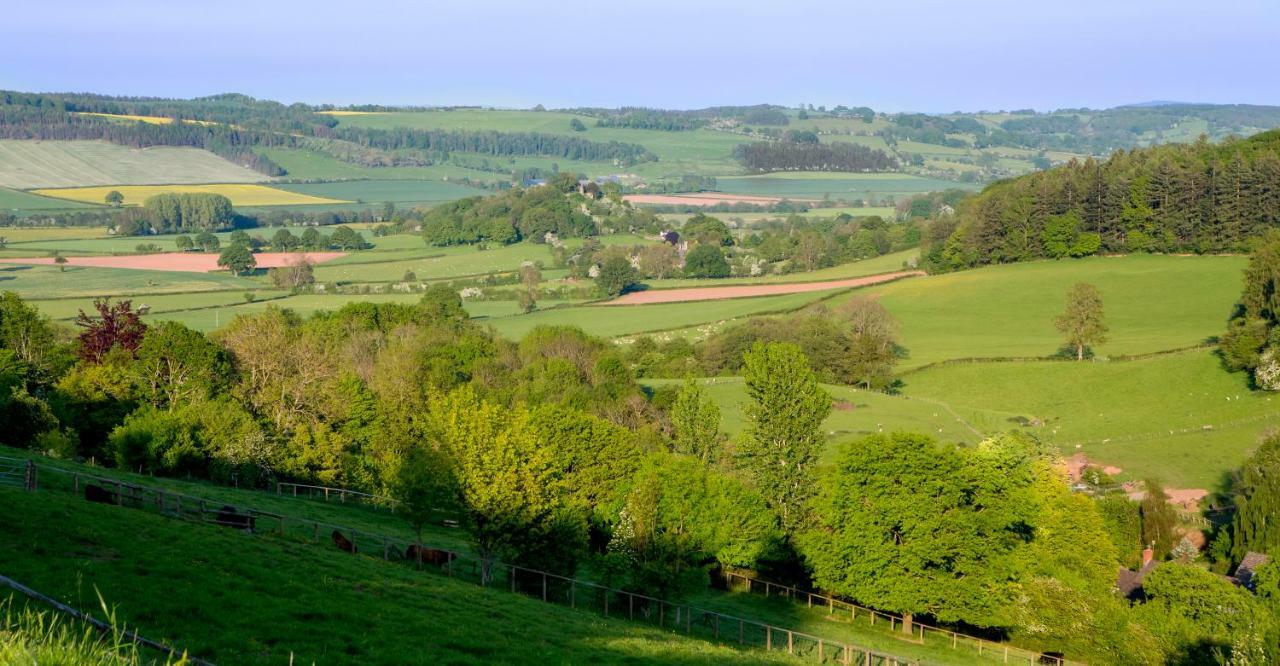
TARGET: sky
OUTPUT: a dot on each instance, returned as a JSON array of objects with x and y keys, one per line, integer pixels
[{"x": 891, "y": 55}]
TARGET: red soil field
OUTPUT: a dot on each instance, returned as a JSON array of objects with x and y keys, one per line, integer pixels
[
  {"x": 701, "y": 199},
  {"x": 741, "y": 291},
  {"x": 185, "y": 262}
]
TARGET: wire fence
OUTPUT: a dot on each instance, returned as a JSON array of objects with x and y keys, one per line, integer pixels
[
  {"x": 918, "y": 632},
  {"x": 17, "y": 472},
  {"x": 105, "y": 627},
  {"x": 549, "y": 587}
]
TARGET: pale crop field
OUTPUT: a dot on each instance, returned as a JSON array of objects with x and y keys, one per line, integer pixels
[
  {"x": 240, "y": 194},
  {"x": 42, "y": 164}
]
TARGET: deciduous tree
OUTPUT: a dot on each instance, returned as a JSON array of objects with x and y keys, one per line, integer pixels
[{"x": 1082, "y": 322}]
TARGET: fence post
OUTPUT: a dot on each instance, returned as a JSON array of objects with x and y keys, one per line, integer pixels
[
  {"x": 202, "y": 511},
  {"x": 631, "y": 606},
  {"x": 29, "y": 482},
  {"x": 820, "y": 655},
  {"x": 768, "y": 637},
  {"x": 688, "y": 620},
  {"x": 513, "y": 580},
  {"x": 573, "y": 593},
  {"x": 315, "y": 532},
  {"x": 544, "y": 586},
  {"x": 742, "y": 632},
  {"x": 790, "y": 643},
  {"x": 606, "y": 601},
  {"x": 386, "y": 549},
  {"x": 848, "y": 655},
  {"x": 76, "y": 478}
]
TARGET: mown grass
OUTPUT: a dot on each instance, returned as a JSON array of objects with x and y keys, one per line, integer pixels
[
  {"x": 160, "y": 304},
  {"x": 1151, "y": 303},
  {"x": 1180, "y": 417},
  {"x": 240, "y": 194},
  {"x": 241, "y": 599},
  {"x": 31, "y": 164}
]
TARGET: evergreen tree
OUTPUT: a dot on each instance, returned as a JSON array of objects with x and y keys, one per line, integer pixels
[{"x": 1256, "y": 525}]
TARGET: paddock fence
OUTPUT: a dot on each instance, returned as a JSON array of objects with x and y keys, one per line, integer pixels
[
  {"x": 917, "y": 632},
  {"x": 549, "y": 587},
  {"x": 18, "y": 472},
  {"x": 183, "y": 659}
]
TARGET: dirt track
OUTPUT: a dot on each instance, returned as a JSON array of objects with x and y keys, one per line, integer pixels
[
  {"x": 185, "y": 262},
  {"x": 741, "y": 291}
]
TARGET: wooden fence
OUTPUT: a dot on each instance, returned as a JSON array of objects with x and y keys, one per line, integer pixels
[
  {"x": 549, "y": 587},
  {"x": 918, "y": 632},
  {"x": 104, "y": 627},
  {"x": 18, "y": 472}
]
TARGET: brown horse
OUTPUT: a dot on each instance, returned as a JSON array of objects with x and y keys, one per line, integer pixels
[
  {"x": 423, "y": 555},
  {"x": 342, "y": 543}
]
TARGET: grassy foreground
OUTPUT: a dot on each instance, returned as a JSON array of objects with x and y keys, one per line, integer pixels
[{"x": 240, "y": 599}]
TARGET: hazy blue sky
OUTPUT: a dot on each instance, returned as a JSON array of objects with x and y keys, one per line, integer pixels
[{"x": 926, "y": 55}]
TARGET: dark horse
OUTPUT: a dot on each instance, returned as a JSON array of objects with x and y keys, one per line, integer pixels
[
  {"x": 423, "y": 555},
  {"x": 343, "y": 543},
  {"x": 229, "y": 517},
  {"x": 99, "y": 494}
]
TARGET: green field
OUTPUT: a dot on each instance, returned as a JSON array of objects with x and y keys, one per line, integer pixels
[
  {"x": 14, "y": 200},
  {"x": 1180, "y": 417},
  {"x": 307, "y": 164},
  {"x": 395, "y": 191},
  {"x": 884, "y": 264},
  {"x": 239, "y": 599},
  {"x": 39, "y": 282},
  {"x": 31, "y": 164},
  {"x": 623, "y": 320},
  {"x": 817, "y": 185},
  {"x": 859, "y": 413},
  {"x": 1152, "y": 303}
]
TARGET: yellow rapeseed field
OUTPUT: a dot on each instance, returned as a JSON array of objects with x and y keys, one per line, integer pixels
[
  {"x": 240, "y": 194},
  {"x": 151, "y": 120}
]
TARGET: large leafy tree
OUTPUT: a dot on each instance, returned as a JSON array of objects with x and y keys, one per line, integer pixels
[
  {"x": 908, "y": 525},
  {"x": 1082, "y": 322},
  {"x": 616, "y": 276},
  {"x": 1159, "y": 520},
  {"x": 1256, "y": 524},
  {"x": 238, "y": 259},
  {"x": 508, "y": 486},
  {"x": 1252, "y": 340},
  {"x": 1197, "y": 615},
  {"x": 779, "y": 450},
  {"x": 706, "y": 261},
  {"x": 177, "y": 365}
]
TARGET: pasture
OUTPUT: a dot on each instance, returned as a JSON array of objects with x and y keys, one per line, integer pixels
[
  {"x": 377, "y": 191},
  {"x": 1152, "y": 303},
  {"x": 49, "y": 164},
  {"x": 235, "y": 598},
  {"x": 1179, "y": 417},
  {"x": 41, "y": 282},
  {"x": 17, "y": 201},
  {"x": 819, "y": 185},
  {"x": 239, "y": 194}
]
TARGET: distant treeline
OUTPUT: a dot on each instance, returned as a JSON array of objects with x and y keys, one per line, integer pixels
[
  {"x": 496, "y": 143},
  {"x": 767, "y": 156},
  {"x": 49, "y": 123},
  {"x": 1197, "y": 197},
  {"x": 137, "y": 221}
]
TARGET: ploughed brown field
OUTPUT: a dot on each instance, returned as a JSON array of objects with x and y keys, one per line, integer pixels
[{"x": 742, "y": 291}]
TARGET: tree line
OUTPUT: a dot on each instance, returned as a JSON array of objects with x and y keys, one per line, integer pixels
[
  {"x": 1199, "y": 197},
  {"x": 766, "y": 156}
]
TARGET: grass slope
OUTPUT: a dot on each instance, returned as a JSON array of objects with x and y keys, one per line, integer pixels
[
  {"x": 31, "y": 164},
  {"x": 14, "y": 200},
  {"x": 1180, "y": 417},
  {"x": 816, "y": 185},
  {"x": 395, "y": 191},
  {"x": 42, "y": 282},
  {"x": 240, "y": 599},
  {"x": 1152, "y": 303}
]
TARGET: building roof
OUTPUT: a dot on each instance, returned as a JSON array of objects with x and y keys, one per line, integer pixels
[
  {"x": 1129, "y": 582},
  {"x": 1248, "y": 565}
]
